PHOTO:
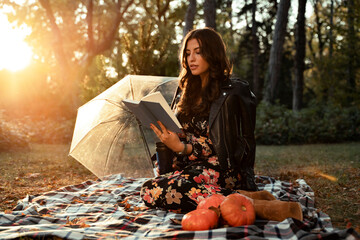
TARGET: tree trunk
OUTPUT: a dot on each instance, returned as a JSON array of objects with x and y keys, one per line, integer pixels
[
  {"x": 318, "y": 27},
  {"x": 189, "y": 17},
  {"x": 69, "y": 87},
  {"x": 351, "y": 52},
  {"x": 257, "y": 85},
  {"x": 331, "y": 38},
  {"x": 210, "y": 13},
  {"x": 229, "y": 7},
  {"x": 331, "y": 43},
  {"x": 276, "y": 50},
  {"x": 231, "y": 31},
  {"x": 300, "y": 41}
]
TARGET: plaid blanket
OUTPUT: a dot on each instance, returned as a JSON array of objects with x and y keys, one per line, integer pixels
[{"x": 112, "y": 208}]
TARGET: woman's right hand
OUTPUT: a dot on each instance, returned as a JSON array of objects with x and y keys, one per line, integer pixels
[{"x": 169, "y": 138}]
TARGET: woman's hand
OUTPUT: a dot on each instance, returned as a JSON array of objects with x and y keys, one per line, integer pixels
[{"x": 169, "y": 138}]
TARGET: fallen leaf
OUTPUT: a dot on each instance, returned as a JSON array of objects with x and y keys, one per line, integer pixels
[
  {"x": 77, "y": 200},
  {"x": 348, "y": 224},
  {"x": 84, "y": 225},
  {"x": 8, "y": 211},
  {"x": 32, "y": 175},
  {"x": 127, "y": 206},
  {"x": 176, "y": 221}
]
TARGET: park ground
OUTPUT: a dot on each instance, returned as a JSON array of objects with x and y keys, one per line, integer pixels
[{"x": 332, "y": 171}]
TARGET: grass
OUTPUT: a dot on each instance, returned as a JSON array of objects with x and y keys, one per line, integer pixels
[
  {"x": 332, "y": 170},
  {"x": 43, "y": 168}
]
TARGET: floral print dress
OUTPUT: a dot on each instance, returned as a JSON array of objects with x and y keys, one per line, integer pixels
[{"x": 198, "y": 175}]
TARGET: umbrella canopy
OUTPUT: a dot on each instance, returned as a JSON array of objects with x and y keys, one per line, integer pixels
[{"x": 107, "y": 137}]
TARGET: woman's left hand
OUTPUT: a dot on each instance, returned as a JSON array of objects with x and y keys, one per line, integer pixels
[{"x": 169, "y": 138}]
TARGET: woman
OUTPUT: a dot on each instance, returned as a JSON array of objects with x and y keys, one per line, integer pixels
[{"x": 216, "y": 152}]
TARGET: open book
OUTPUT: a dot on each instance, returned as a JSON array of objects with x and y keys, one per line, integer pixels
[{"x": 153, "y": 108}]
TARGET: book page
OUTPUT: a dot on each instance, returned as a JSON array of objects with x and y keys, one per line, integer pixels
[
  {"x": 161, "y": 115},
  {"x": 159, "y": 98},
  {"x": 142, "y": 114}
]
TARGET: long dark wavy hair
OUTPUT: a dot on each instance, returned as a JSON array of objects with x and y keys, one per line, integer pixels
[{"x": 213, "y": 50}]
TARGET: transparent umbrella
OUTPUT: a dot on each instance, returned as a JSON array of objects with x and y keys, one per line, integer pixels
[{"x": 107, "y": 137}]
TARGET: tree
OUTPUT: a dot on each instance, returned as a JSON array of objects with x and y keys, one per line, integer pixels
[
  {"x": 210, "y": 13},
  {"x": 245, "y": 54},
  {"x": 319, "y": 23},
  {"x": 276, "y": 50},
  {"x": 149, "y": 39},
  {"x": 189, "y": 17},
  {"x": 300, "y": 43},
  {"x": 257, "y": 84},
  {"x": 351, "y": 53},
  {"x": 331, "y": 38},
  {"x": 331, "y": 50},
  {"x": 75, "y": 70}
]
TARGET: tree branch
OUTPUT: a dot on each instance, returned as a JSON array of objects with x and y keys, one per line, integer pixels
[
  {"x": 107, "y": 42},
  {"x": 163, "y": 10},
  {"x": 89, "y": 20},
  {"x": 58, "y": 46}
]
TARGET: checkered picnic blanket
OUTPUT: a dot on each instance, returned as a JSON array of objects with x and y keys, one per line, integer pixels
[{"x": 112, "y": 208}]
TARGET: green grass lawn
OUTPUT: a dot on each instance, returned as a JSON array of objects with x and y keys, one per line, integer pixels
[{"x": 332, "y": 170}]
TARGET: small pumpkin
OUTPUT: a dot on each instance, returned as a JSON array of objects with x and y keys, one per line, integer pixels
[
  {"x": 200, "y": 219},
  {"x": 213, "y": 200},
  {"x": 237, "y": 210}
]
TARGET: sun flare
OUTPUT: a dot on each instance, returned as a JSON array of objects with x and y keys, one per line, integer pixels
[{"x": 15, "y": 53}]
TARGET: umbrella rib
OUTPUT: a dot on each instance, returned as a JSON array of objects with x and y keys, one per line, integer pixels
[
  {"x": 131, "y": 89},
  {"x": 163, "y": 83},
  {"x": 82, "y": 139},
  {"x": 113, "y": 102},
  {"x": 127, "y": 122}
]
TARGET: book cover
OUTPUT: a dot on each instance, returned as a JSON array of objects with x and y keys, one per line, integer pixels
[{"x": 153, "y": 108}]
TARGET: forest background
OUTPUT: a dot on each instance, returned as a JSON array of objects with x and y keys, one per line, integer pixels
[{"x": 301, "y": 59}]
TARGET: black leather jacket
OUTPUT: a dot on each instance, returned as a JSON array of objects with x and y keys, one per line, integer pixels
[{"x": 232, "y": 125}]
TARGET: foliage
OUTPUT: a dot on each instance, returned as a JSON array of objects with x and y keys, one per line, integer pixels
[
  {"x": 329, "y": 56},
  {"x": 149, "y": 41},
  {"x": 17, "y": 133},
  {"x": 11, "y": 136},
  {"x": 147, "y": 45},
  {"x": 318, "y": 123},
  {"x": 98, "y": 78}
]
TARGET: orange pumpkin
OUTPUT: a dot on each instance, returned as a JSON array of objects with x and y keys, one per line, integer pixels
[
  {"x": 200, "y": 219},
  {"x": 213, "y": 200},
  {"x": 237, "y": 210}
]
